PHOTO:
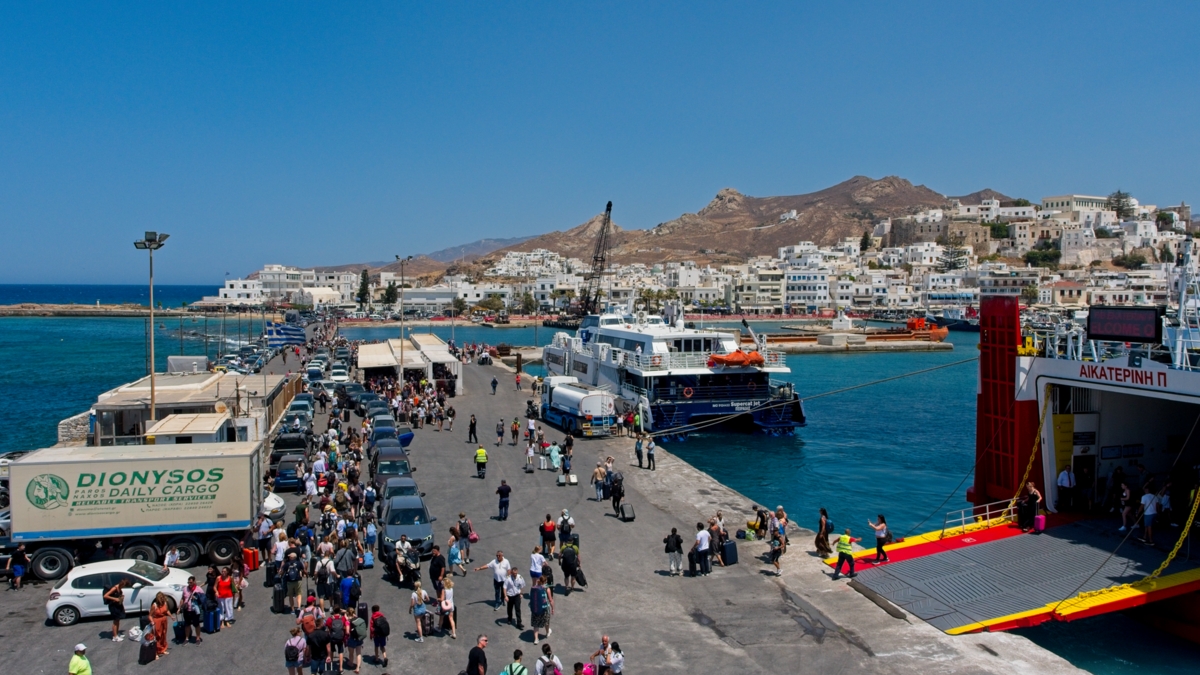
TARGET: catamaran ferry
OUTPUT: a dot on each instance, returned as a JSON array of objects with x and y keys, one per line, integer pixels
[{"x": 681, "y": 379}]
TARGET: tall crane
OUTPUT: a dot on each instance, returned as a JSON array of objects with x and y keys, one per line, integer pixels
[{"x": 590, "y": 302}]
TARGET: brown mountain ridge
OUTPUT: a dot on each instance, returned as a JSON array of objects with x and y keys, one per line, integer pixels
[{"x": 734, "y": 226}]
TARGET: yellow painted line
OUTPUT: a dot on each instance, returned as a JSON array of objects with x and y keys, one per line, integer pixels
[{"x": 927, "y": 537}]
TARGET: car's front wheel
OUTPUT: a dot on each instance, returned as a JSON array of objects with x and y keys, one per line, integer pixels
[{"x": 66, "y": 616}]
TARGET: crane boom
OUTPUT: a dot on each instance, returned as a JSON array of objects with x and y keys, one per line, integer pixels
[{"x": 590, "y": 303}]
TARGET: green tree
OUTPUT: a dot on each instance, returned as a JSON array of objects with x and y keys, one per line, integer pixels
[
  {"x": 1130, "y": 262},
  {"x": 528, "y": 303},
  {"x": 954, "y": 255},
  {"x": 1045, "y": 254},
  {"x": 1022, "y": 202},
  {"x": 1029, "y": 294},
  {"x": 1120, "y": 203},
  {"x": 1165, "y": 220},
  {"x": 459, "y": 305},
  {"x": 865, "y": 242},
  {"x": 1165, "y": 254},
  {"x": 492, "y": 302},
  {"x": 391, "y": 294},
  {"x": 999, "y": 230},
  {"x": 364, "y": 289}
]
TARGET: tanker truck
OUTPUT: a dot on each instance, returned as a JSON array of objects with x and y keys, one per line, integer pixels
[
  {"x": 70, "y": 504},
  {"x": 578, "y": 408}
]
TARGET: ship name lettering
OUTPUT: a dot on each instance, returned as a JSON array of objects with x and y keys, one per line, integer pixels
[{"x": 1115, "y": 374}]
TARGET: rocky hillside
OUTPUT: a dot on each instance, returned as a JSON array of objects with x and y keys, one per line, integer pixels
[{"x": 734, "y": 226}]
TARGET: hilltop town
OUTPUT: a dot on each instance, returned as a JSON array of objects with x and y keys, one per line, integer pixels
[{"x": 905, "y": 247}]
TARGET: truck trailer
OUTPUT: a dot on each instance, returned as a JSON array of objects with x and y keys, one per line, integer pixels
[
  {"x": 138, "y": 500},
  {"x": 578, "y": 408}
]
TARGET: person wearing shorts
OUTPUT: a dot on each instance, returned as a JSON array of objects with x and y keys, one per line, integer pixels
[{"x": 18, "y": 562}]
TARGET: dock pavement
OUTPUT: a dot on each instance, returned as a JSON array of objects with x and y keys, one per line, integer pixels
[{"x": 739, "y": 619}]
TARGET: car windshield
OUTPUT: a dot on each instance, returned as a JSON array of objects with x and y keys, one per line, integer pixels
[
  {"x": 354, "y": 387},
  {"x": 149, "y": 570},
  {"x": 287, "y": 467},
  {"x": 401, "y": 491},
  {"x": 407, "y": 517},
  {"x": 393, "y": 467}
]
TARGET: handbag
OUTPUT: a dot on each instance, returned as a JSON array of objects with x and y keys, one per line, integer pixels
[
  {"x": 473, "y": 538},
  {"x": 447, "y": 607}
]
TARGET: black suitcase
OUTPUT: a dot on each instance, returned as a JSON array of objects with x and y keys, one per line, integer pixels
[
  {"x": 270, "y": 580},
  {"x": 363, "y": 612},
  {"x": 691, "y": 556},
  {"x": 278, "y": 596},
  {"x": 606, "y": 490},
  {"x": 627, "y": 512},
  {"x": 427, "y": 622},
  {"x": 149, "y": 650},
  {"x": 180, "y": 632},
  {"x": 729, "y": 552},
  {"x": 579, "y": 578}
]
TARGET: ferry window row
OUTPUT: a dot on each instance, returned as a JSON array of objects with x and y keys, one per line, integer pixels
[
  {"x": 623, "y": 343},
  {"x": 693, "y": 345}
]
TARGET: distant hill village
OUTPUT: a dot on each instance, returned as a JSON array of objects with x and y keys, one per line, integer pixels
[{"x": 1068, "y": 251}]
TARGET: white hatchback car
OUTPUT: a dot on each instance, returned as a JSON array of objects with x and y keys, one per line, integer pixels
[
  {"x": 80, "y": 594},
  {"x": 339, "y": 375}
]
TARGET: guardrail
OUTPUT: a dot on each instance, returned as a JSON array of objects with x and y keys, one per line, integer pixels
[{"x": 978, "y": 518}]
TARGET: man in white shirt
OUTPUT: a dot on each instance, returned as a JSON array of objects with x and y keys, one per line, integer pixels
[
  {"x": 319, "y": 466},
  {"x": 700, "y": 549},
  {"x": 1149, "y": 511},
  {"x": 1066, "y": 488},
  {"x": 514, "y": 585},
  {"x": 500, "y": 568}
]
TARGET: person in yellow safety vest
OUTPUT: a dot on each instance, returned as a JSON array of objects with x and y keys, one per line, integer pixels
[
  {"x": 845, "y": 553},
  {"x": 481, "y": 458}
]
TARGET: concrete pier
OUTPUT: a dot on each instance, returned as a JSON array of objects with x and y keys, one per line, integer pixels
[{"x": 739, "y": 619}]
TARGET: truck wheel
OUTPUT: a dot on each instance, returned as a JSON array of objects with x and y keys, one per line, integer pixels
[
  {"x": 66, "y": 616},
  {"x": 220, "y": 550},
  {"x": 189, "y": 552},
  {"x": 140, "y": 550},
  {"x": 51, "y": 563}
]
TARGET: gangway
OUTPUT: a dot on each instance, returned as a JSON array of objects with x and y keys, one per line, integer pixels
[{"x": 978, "y": 574}]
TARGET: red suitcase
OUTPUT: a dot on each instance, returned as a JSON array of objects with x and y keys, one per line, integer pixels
[{"x": 250, "y": 557}]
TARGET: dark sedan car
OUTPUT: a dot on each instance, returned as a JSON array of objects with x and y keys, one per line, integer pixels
[{"x": 407, "y": 516}]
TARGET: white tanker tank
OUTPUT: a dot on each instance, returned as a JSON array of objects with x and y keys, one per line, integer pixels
[{"x": 579, "y": 408}]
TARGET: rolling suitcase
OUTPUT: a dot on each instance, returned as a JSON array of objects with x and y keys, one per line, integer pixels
[
  {"x": 180, "y": 632},
  {"x": 363, "y": 612},
  {"x": 212, "y": 621},
  {"x": 250, "y": 557},
  {"x": 278, "y": 597},
  {"x": 149, "y": 649},
  {"x": 270, "y": 580},
  {"x": 529, "y": 469},
  {"x": 573, "y": 479},
  {"x": 562, "y": 481},
  {"x": 607, "y": 490},
  {"x": 691, "y": 556},
  {"x": 627, "y": 512},
  {"x": 427, "y": 622},
  {"x": 368, "y": 559},
  {"x": 729, "y": 552},
  {"x": 543, "y": 462},
  {"x": 579, "y": 578},
  {"x": 1039, "y": 523}
]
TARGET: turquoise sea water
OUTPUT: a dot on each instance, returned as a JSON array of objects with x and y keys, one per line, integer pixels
[{"x": 899, "y": 448}]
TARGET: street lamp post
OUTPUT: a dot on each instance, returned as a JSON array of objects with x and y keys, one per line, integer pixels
[
  {"x": 152, "y": 242},
  {"x": 403, "y": 262}
]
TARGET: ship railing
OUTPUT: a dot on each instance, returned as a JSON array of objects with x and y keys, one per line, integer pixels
[
  {"x": 979, "y": 517},
  {"x": 680, "y": 360}
]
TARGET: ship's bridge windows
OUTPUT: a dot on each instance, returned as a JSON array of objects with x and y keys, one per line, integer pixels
[
  {"x": 611, "y": 321},
  {"x": 704, "y": 345}
]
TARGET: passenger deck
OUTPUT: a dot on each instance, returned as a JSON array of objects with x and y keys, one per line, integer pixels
[{"x": 999, "y": 578}]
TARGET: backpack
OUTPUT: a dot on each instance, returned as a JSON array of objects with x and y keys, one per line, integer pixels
[
  {"x": 382, "y": 629},
  {"x": 537, "y": 600},
  {"x": 355, "y": 591},
  {"x": 291, "y": 652},
  {"x": 292, "y": 573},
  {"x": 308, "y": 623},
  {"x": 568, "y": 555},
  {"x": 564, "y": 526},
  {"x": 549, "y": 667},
  {"x": 323, "y": 572},
  {"x": 359, "y": 626},
  {"x": 344, "y": 562},
  {"x": 338, "y": 630}
]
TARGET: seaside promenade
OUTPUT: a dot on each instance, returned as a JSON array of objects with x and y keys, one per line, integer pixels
[{"x": 738, "y": 619}]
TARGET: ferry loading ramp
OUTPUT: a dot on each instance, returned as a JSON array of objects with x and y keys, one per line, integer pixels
[{"x": 999, "y": 578}]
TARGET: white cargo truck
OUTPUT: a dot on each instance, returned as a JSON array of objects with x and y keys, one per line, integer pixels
[
  {"x": 138, "y": 500},
  {"x": 579, "y": 408}
]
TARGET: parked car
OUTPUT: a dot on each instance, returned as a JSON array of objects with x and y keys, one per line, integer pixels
[
  {"x": 399, "y": 487},
  {"x": 405, "y": 516},
  {"x": 389, "y": 462},
  {"x": 273, "y": 506},
  {"x": 302, "y": 406},
  {"x": 360, "y": 402},
  {"x": 287, "y": 472},
  {"x": 296, "y": 420},
  {"x": 80, "y": 594},
  {"x": 339, "y": 375},
  {"x": 288, "y": 444}
]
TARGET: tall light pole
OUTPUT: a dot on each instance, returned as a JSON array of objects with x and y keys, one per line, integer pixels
[
  {"x": 403, "y": 262},
  {"x": 152, "y": 242}
]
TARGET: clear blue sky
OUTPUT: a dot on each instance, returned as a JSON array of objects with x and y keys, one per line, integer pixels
[{"x": 328, "y": 133}]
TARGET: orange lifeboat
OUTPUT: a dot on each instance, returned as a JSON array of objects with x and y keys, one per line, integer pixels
[{"x": 738, "y": 359}]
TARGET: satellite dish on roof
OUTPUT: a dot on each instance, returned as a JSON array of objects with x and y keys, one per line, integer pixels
[{"x": 221, "y": 407}]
